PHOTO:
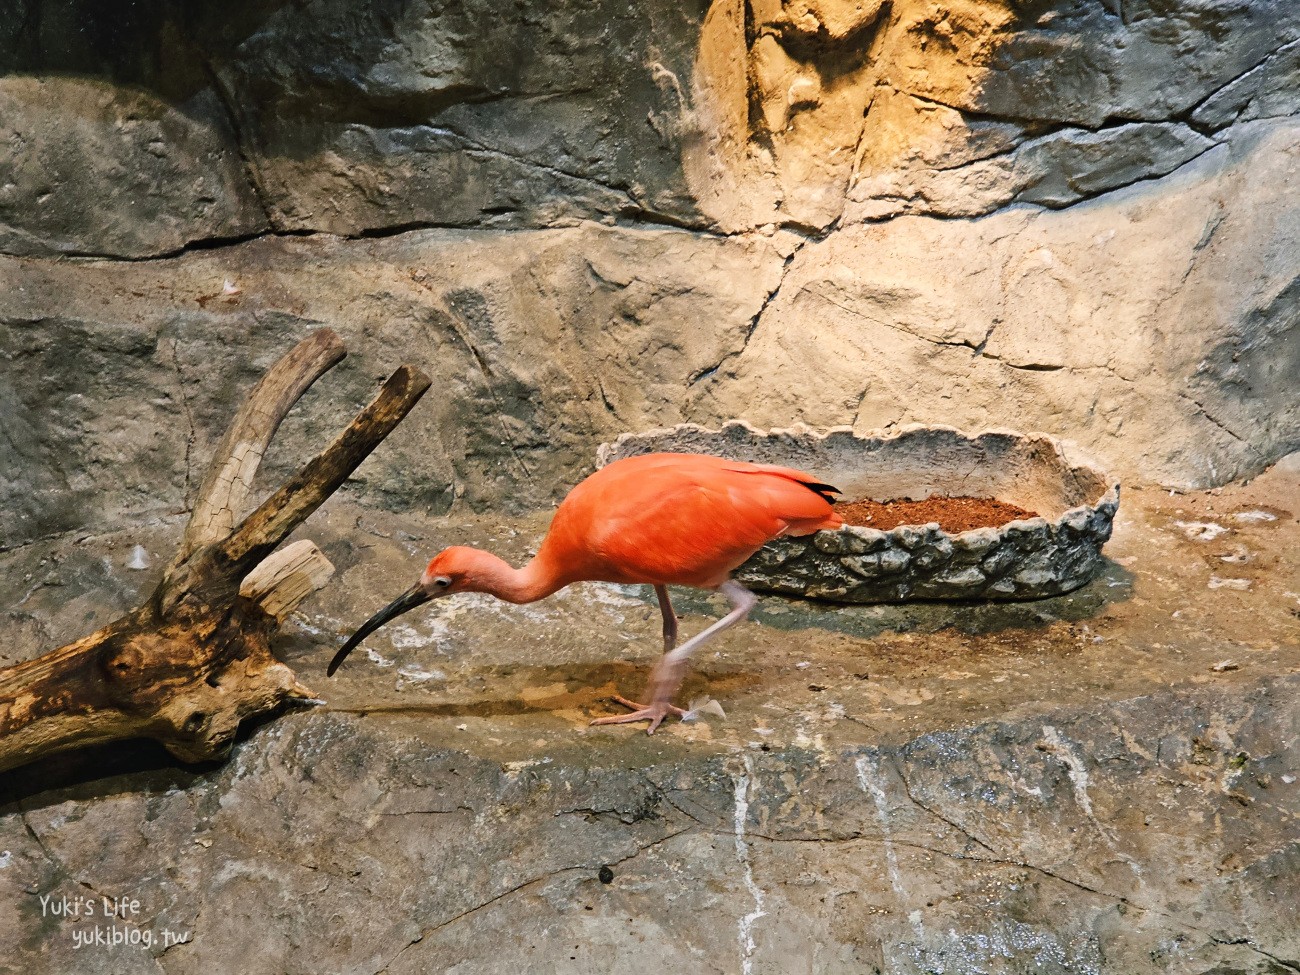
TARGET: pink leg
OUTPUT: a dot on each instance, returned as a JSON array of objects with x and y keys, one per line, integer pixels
[
  {"x": 670, "y": 618},
  {"x": 668, "y": 672}
]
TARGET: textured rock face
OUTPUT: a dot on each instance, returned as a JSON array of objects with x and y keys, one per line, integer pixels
[
  {"x": 525, "y": 381},
  {"x": 1077, "y": 217},
  {"x": 1183, "y": 289},
  {"x": 328, "y": 846},
  {"x": 730, "y": 115},
  {"x": 545, "y": 343},
  {"x": 848, "y": 110},
  {"x": 1066, "y": 217},
  {"x": 87, "y": 168}
]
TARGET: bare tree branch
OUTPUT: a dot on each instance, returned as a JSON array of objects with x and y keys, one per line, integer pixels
[
  {"x": 237, "y": 457},
  {"x": 302, "y": 494}
]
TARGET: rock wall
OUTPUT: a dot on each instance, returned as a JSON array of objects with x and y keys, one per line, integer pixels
[{"x": 1073, "y": 217}]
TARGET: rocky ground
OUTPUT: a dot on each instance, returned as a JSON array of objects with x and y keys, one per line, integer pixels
[{"x": 1100, "y": 782}]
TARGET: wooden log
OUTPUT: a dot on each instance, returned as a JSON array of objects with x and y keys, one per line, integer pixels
[
  {"x": 287, "y": 577},
  {"x": 194, "y": 661},
  {"x": 209, "y": 572}
]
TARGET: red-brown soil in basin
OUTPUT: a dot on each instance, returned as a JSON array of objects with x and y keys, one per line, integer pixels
[{"x": 954, "y": 515}]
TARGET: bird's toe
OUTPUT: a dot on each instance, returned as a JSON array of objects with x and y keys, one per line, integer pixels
[{"x": 654, "y": 713}]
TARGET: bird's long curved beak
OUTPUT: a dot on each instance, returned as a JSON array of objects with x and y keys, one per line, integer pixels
[{"x": 415, "y": 596}]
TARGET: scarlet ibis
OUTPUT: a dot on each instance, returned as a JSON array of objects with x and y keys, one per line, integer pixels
[{"x": 659, "y": 519}]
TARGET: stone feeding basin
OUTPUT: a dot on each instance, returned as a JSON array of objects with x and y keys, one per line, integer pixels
[{"x": 1052, "y": 553}]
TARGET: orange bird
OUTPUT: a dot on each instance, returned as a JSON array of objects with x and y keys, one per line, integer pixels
[{"x": 659, "y": 519}]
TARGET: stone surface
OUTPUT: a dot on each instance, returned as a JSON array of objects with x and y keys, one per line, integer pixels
[
  {"x": 524, "y": 381},
  {"x": 1058, "y": 321},
  {"x": 1048, "y": 555},
  {"x": 1269, "y": 90},
  {"x": 727, "y": 115},
  {"x": 87, "y": 168},
  {"x": 119, "y": 375},
  {"x": 1100, "y": 782},
  {"x": 1076, "y": 218},
  {"x": 925, "y": 109},
  {"x": 1070, "y": 218},
  {"x": 1055, "y": 170}
]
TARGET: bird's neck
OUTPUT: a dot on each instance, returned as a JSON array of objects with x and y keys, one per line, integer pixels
[{"x": 498, "y": 578}]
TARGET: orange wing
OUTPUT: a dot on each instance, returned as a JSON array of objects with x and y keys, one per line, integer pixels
[{"x": 685, "y": 519}]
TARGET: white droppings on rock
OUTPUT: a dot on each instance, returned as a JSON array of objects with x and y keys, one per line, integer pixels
[
  {"x": 1074, "y": 767},
  {"x": 139, "y": 558},
  {"x": 1217, "y": 582},
  {"x": 405, "y": 637},
  {"x": 1254, "y": 516},
  {"x": 417, "y": 675},
  {"x": 745, "y": 926},
  {"x": 1201, "y": 531},
  {"x": 868, "y": 785}
]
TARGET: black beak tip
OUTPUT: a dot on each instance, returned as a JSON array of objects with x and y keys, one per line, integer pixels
[
  {"x": 415, "y": 596},
  {"x": 338, "y": 659}
]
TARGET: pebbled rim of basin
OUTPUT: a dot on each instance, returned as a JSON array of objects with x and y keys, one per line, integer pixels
[{"x": 1025, "y": 559}]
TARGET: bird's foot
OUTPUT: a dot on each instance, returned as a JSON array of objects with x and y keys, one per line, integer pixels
[{"x": 654, "y": 713}]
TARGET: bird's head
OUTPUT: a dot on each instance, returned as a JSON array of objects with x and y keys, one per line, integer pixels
[{"x": 455, "y": 569}]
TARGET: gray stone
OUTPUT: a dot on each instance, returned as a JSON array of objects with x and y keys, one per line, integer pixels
[
  {"x": 977, "y": 541},
  {"x": 938, "y": 549},
  {"x": 867, "y": 566},
  {"x": 715, "y": 115},
  {"x": 87, "y": 168},
  {"x": 1270, "y": 89},
  {"x": 376, "y": 121},
  {"x": 963, "y": 579},
  {"x": 911, "y": 537},
  {"x": 853, "y": 540},
  {"x": 838, "y": 543},
  {"x": 126, "y": 389},
  {"x": 1034, "y": 579},
  {"x": 467, "y": 114},
  {"x": 1062, "y": 168},
  {"x": 1078, "y": 520},
  {"x": 1056, "y": 170},
  {"x": 999, "y": 561},
  {"x": 893, "y": 561}
]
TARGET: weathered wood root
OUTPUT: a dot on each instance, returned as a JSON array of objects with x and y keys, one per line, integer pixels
[{"x": 194, "y": 660}]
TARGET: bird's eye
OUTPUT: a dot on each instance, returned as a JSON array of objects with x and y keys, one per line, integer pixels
[{"x": 442, "y": 582}]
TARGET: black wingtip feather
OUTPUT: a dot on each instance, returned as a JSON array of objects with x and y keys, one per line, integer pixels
[{"x": 823, "y": 491}]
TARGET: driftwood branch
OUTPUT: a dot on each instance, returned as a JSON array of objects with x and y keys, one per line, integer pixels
[
  {"x": 194, "y": 661},
  {"x": 229, "y": 559},
  {"x": 237, "y": 457},
  {"x": 287, "y": 577}
]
